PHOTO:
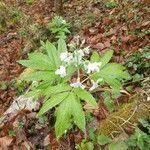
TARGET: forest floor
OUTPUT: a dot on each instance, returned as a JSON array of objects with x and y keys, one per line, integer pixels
[{"x": 122, "y": 26}]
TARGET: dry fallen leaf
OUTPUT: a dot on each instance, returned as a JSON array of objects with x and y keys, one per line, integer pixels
[
  {"x": 99, "y": 46},
  {"x": 47, "y": 140},
  {"x": 5, "y": 142}
]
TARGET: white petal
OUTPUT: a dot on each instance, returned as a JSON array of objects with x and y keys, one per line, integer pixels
[
  {"x": 61, "y": 71},
  {"x": 94, "y": 86},
  {"x": 63, "y": 56},
  {"x": 93, "y": 67},
  {"x": 86, "y": 50},
  {"x": 77, "y": 85}
]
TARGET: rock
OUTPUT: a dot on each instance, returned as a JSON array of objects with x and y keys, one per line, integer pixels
[{"x": 20, "y": 103}]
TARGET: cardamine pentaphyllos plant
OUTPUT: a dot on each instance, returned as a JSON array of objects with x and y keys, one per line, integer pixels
[
  {"x": 59, "y": 27},
  {"x": 62, "y": 73}
]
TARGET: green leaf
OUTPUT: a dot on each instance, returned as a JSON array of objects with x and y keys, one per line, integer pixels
[
  {"x": 114, "y": 83},
  {"x": 63, "y": 117},
  {"x": 62, "y": 47},
  {"x": 77, "y": 112},
  {"x": 34, "y": 93},
  {"x": 69, "y": 107},
  {"x": 35, "y": 65},
  {"x": 52, "y": 102},
  {"x": 40, "y": 75},
  {"x": 114, "y": 70},
  {"x": 38, "y": 91},
  {"x": 42, "y": 44},
  {"x": 102, "y": 139},
  {"x": 90, "y": 146},
  {"x": 112, "y": 74},
  {"x": 71, "y": 69},
  {"x": 120, "y": 145},
  {"x": 52, "y": 90},
  {"x": 108, "y": 101},
  {"x": 37, "y": 61},
  {"x": 86, "y": 96},
  {"x": 43, "y": 85},
  {"x": 106, "y": 58},
  {"x": 95, "y": 57},
  {"x": 53, "y": 54}
]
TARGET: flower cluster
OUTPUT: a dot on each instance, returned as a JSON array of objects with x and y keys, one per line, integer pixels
[
  {"x": 66, "y": 57},
  {"x": 76, "y": 58},
  {"x": 92, "y": 67}
]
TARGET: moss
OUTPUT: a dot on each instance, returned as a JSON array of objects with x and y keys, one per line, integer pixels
[{"x": 125, "y": 117}]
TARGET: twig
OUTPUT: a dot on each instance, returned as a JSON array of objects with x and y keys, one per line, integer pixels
[
  {"x": 130, "y": 116},
  {"x": 124, "y": 120},
  {"x": 115, "y": 124}
]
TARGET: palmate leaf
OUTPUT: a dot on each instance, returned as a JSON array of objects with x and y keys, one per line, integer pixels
[
  {"x": 62, "y": 47},
  {"x": 63, "y": 117},
  {"x": 114, "y": 83},
  {"x": 95, "y": 57},
  {"x": 86, "y": 96},
  {"x": 37, "y": 61},
  {"x": 38, "y": 91},
  {"x": 52, "y": 90},
  {"x": 40, "y": 75},
  {"x": 114, "y": 70},
  {"x": 112, "y": 74},
  {"x": 41, "y": 58},
  {"x": 69, "y": 107},
  {"x": 77, "y": 112},
  {"x": 106, "y": 58},
  {"x": 53, "y": 54},
  {"x": 52, "y": 102},
  {"x": 34, "y": 93}
]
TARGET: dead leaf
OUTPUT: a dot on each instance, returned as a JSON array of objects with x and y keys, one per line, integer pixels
[
  {"x": 96, "y": 12},
  {"x": 47, "y": 140},
  {"x": 5, "y": 142},
  {"x": 99, "y": 46},
  {"x": 107, "y": 44},
  {"x": 145, "y": 23},
  {"x": 112, "y": 12},
  {"x": 93, "y": 31},
  {"x": 26, "y": 146}
]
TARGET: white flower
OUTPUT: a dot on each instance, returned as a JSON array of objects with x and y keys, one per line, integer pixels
[
  {"x": 86, "y": 50},
  {"x": 66, "y": 57},
  {"x": 148, "y": 98},
  {"x": 80, "y": 52},
  {"x": 63, "y": 21},
  {"x": 63, "y": 56},
  {"x": 92, "y": 67},
  {"x": 78, "y": 55},
  {"x": 61, "y": 71},
  {"x": 77, "y": 84},
  {"x": 95, "y": 84}
]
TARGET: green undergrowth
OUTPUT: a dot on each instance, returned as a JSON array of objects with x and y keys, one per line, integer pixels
[
  {"x": 10, "y": 16},
  {"x": 127, "y": 116}
]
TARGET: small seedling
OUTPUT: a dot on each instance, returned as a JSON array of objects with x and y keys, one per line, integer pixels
[
  {"x": 20, "y": 124},
  {"x": 111, "y": 4},
  {"x": 11, "y": 133},
  {"x": 30, "y": 2},
  {"x": 139, "y": 139},
  {"x": 59, "y": 26}
]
